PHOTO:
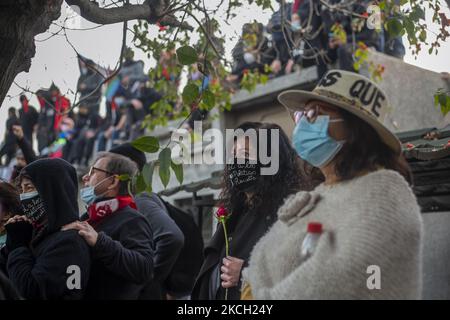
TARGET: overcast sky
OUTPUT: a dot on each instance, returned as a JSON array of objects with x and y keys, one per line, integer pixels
[{"x": 56, "y": 61}]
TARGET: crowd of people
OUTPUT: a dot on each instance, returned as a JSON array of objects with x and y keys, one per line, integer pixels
[
  {"x": 344, "y": 170},
  {"x": 76, "y": 133},
  {"x": 300, "y": 34},
  {"x": 123, "y": 246},
  {"x": 308, "y": 33}
]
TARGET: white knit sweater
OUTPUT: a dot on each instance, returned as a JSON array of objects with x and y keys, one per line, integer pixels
[{"x": 370, "y": 220}]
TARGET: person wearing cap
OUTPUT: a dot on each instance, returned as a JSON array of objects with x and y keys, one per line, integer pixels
[
  {"x": 168, "y": 239},
  {"x": 371, "y": 243}
]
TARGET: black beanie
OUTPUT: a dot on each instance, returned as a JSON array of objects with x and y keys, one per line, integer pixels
[{"x": 127, "y": 150}]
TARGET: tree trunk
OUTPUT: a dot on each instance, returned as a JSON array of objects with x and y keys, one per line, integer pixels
[{"x": 20, "y": 22}]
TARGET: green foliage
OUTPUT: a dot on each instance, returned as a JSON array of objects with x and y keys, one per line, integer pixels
[
  {"x": 442, "y": 99},
  {"x": 251, "y": 78},
  {"x": 178, "y": 170},
  {"x": 146, "y": 144},
  {"x": 409, "y": 18},
  {"x": 165, "y": 162},
  {"x": 191, "y": 93},
  {"x": 187, "y": 55},
  {"x": 140, "y": 184}
]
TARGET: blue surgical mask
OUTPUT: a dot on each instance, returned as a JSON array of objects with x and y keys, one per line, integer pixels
[
  {"x": 295, "y": 25},
  {"x": 312, "y": 142},
  {"x": 28, "y": 195},
  {"x": 87, "y": 194}
]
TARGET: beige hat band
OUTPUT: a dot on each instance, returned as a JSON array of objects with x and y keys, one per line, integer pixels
[{"x": 342, "y": 99}]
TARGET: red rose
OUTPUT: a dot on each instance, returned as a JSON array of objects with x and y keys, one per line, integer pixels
[{"x": 221, "y": 213}]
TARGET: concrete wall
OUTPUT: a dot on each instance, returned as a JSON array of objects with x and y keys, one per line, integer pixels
[{"x": 410, "y": 90}]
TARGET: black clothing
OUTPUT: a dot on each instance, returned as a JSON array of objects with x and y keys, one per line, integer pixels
[
  {"x": 42, "y": 269},
  {"x": 28, "y": 121},
  {"x": 7, "y": 291},
  {"x": 122, "y": 256},
  {"x": 244, "y": 231}
]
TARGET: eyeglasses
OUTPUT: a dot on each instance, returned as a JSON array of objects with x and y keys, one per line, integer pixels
[
  {"x": 92, "y": 169},
  {"x": 310, "y": 114}
]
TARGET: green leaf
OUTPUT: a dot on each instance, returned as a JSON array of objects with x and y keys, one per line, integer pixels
[
  {"x": 164, "y": 166},
  {"x": 442, "y": 99},
  {"x": 423, "y": 36},
  {"x": 124, "y": 177},
  {"x": 436, "y": 99},
  {"x": 187, "y": 55},
  {"x": 209, "y": 99},
  {"x": 409, "y": 26},
  {"x": 178, "y": 169},
  {"x": 190, "y": 93},
  {"x": 417, "y": 14},
  {"x": 147, "y": 173},
  {"x": 394, "y": 27},
  {"x": 140, "y": 183},
  {"x": 146, "y": 144}
]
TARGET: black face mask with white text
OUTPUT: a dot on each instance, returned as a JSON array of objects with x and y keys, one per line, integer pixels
[
  {"x": 244, "y": 177},
  {"x": 33, "y": 207}
]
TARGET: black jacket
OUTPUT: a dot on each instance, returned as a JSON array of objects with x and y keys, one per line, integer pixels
[
  {"x": 41, "y": 271},
  {"x": 122, "y": 256},
  {"x": 244, "y": 231},
  {"x": 28, "y": 120},
  {"x": 7, "y": 291},
  {"x": 167, "y": 239}
]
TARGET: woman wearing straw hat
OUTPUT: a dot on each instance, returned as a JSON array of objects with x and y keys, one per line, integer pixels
[{"x": 371, "y": 240}]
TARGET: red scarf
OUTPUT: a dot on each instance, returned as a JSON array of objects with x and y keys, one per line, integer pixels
[{"x": 98, "y": 211}]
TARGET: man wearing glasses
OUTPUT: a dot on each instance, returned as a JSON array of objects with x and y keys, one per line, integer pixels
[{"x": 120, "y": 237}]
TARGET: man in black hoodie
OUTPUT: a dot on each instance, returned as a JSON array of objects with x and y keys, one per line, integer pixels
[
  {"x": 120, "y": 237},
  {"x": 44, "y": 262}
]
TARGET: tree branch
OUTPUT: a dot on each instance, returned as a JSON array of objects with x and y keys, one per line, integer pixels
[{"x": 149, "y": 11}]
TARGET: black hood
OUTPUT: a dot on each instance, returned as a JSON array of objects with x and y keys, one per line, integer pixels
[{"x": 57, "y": 184}]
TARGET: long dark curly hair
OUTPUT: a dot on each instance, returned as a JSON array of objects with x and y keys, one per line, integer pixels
[
  {"x": 9, "y": 200},
  {"x": 293, "y": 175}
]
